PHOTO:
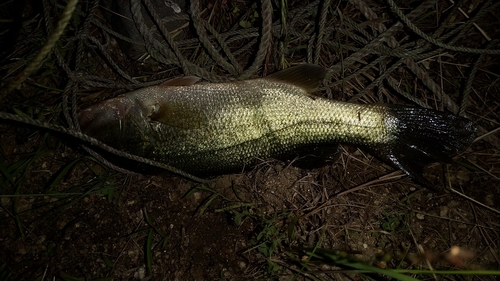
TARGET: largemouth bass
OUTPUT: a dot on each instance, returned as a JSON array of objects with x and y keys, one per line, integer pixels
[{"x": 222, "y": 127}]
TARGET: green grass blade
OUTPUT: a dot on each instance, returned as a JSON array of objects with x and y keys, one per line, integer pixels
[
  {"x": 68, "y": 277},
  {"x": 62, "y": 173},
  {"x": 209, "y": 201},
  {"x": 149, "y": 251}
]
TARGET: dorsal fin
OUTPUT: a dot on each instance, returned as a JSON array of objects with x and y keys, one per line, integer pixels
[
  {"x": 181, "y": 81},
  {"x": 305, "y": 76}
]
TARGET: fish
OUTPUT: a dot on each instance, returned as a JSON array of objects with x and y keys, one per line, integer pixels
[{"x": 219, "y": 128}]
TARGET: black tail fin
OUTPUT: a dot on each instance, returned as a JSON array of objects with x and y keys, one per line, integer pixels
[{"x": 424, "y": 136}]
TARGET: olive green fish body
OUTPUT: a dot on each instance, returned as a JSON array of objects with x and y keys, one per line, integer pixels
[
  {"x": 222, "y": 127},
  {"x": 216, "y": 128}
]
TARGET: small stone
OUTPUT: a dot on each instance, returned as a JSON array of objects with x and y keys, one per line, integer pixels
[
  {"x": 5, "y": 201},
  {"x": 23, "y": 204},
  {"x": 381, "y": 264},
  {"x": 489, "y": 200},
  {"x": 443, "y": 211},
  {"x": 197, "y": 197},
  {"x": 22, "y": 250},
  {"x": 140, "y": 274},
  {"x": 463, "y": 176}
]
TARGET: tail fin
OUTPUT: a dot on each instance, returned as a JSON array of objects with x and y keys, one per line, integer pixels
[{"x": 424, "y": 136}]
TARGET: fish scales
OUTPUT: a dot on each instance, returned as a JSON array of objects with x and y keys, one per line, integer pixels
[
  {"x": 259, "y": 117},
  {"x": 222, "y": 127}
]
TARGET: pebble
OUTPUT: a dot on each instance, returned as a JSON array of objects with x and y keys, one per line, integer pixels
[
  {"x": 140, "y": 274},
  {"x": 443, "y": 211}
]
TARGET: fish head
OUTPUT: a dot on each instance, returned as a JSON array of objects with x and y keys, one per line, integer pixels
[{"x": 112, "y": 119}]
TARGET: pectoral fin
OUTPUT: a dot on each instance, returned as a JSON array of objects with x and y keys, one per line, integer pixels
[{"x": 176, "y": 115}]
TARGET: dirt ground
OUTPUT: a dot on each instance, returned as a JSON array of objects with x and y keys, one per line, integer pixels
[{"x": 66, "y": 216}]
